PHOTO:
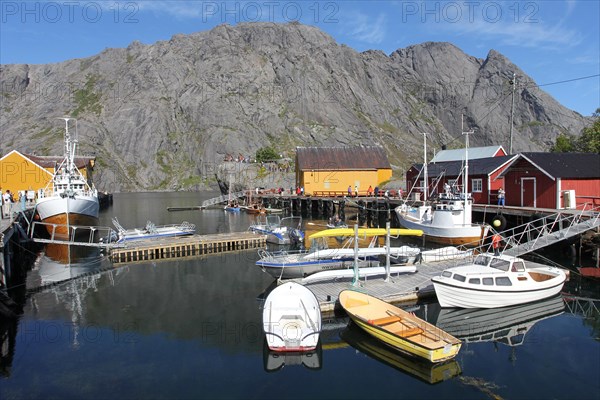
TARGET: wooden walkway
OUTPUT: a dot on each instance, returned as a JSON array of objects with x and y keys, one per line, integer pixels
[
  {"x": 400, "y": 288},
  {"x": 186, "y": 246}
]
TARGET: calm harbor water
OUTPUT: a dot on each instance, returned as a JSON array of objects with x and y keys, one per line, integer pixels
[{"x": 192, "y": 329}]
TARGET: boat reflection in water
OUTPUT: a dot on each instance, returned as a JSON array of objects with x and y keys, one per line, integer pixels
[
  {"x": 276, "y": 360},
  {"x": 506, "y": 325},
  {"x": 61, "y": 262},
  {"x": 425, "y": 371}
]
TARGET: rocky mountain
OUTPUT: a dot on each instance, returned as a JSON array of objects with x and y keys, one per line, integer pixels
[{"x": 163, "y": 116}]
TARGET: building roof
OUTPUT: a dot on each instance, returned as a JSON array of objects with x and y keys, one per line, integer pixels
[
  {"x": 474, "y": 153},
  {"x": 563, "y": 165},
  {"x": 342, "y": 158},
  {"x": 478, "y": 167},
  {"x": 51, "y": 161}
]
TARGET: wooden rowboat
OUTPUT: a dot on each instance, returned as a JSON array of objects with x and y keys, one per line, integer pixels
[{"x": 398, "y": 328}]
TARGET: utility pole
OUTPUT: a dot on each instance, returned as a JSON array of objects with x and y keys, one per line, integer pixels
[{"x": 513, "y": 82}]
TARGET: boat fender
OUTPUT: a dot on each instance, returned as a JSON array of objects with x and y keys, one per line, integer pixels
[{"x": 499, "y": 222}]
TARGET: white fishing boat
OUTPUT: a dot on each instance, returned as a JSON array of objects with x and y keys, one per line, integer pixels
[
  {"x": 68, "y": 199},
  {"x": 151, "y": 231},
  {"x": 449, "y": 219},
  {"x": 320, "y": 258},
  {"x": 286, "y": 230},
  {"x": 497, "y": 281},
  {"x": 292, "y": 318}
]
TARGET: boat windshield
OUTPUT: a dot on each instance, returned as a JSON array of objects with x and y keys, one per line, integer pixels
[
  {"x": 482, "y": 260},
  {"x": 500, "y": 264}
]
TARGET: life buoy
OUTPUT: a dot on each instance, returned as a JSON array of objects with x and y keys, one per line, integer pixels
[{"x": 499, "y": 222}]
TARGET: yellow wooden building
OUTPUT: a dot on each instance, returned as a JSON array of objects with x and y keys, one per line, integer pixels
[
  {"x": 24, "y": 172},
  {"x": 324, "y": 171}
]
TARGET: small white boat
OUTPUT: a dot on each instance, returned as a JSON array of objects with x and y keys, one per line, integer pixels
[
  {"x": 151, "y": 231},
  {"x": 291, "y": 265},
  {"x": 292, "y": 319},
  {"x": 449, "y": 219},
  {"x": 497, "y": 281},
  {"x": 286, "y": 230},
  {"x": 363, "y": 272}
]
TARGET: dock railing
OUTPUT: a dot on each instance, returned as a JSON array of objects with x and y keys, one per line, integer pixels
[
  {"x": 79, "y": 235},
  {"x": 544, "y": 231}
]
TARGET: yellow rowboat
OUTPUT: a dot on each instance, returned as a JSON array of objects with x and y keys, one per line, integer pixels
[
  {"x": 398, "y": 328},
  {"x": 414, "y": 366},
  {"x": 365, "y": 232}
]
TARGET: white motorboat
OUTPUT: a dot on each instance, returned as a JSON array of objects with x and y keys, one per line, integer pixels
[
  {"x": 286, "y": 230},
  {"x": 292, "y": 318},
  {"x": 497, "y": 281},
  {"x": 320, "y": 258},
  {"x": 151, "y": 231},
  {"x": 449, "y": 219},
  {"x": 69, "y": 199}
]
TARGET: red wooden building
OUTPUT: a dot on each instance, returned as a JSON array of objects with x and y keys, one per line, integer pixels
[
  {"x": 484, "y": 177},
  {"x": 553, "y": 180}
]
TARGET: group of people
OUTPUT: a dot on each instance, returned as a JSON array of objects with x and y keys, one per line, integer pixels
[
  {"x": 8, "y": 199},
  {"x": 372, "y": 192}
]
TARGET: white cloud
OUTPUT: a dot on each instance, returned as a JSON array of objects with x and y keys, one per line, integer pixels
[
  {"x": 364, "y": 27},
  {"x": 521, "y": 34}
]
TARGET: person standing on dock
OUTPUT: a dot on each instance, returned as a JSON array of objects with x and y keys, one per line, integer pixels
[
  {"x": 7, "y": 206},
  {"x": 501, "y": 194},
  {"x": 355, "y": 190},
  {"x": 349, "y": 191}
]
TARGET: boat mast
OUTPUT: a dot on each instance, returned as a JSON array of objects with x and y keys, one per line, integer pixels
[
  {"x": 70, "y": 145},
  {"x": 426, "y": 184},
  {"x": 466, "y": 175}
]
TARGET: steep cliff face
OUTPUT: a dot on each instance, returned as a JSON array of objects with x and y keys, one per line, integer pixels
[{"x": 161, "y": 116}]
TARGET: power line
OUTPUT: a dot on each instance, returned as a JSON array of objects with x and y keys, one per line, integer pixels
[{"x": 566, "y": 81}]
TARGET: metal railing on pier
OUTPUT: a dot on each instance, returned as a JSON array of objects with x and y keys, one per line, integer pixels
[
  {"x": 545, "y": 231},
  {"x": 222, "y": 199}
]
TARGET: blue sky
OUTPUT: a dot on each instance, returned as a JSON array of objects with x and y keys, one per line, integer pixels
[{"x": 551, "y": 41}]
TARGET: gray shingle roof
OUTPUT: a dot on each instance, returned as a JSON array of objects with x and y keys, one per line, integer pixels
[{"x": 459, "y": 154}]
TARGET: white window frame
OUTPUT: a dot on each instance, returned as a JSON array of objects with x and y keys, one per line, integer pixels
[{"x": 477, "y": 185}]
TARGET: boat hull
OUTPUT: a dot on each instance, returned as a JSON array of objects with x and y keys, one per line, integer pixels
[
  {"x": 432, "y": 343},
  {"x": 450, "y": 234},
  {"x": 60, "y": 212},
  {"x": 292, "y": 319},
  {"x": 453, "y": 296},
  {"x": 306, "y": 268}
]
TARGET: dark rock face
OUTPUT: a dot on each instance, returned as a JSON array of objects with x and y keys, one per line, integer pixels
[{"x": 162, "y": 116}]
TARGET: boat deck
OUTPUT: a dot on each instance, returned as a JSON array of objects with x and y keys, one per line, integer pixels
[{"x": 400, "y": 288}]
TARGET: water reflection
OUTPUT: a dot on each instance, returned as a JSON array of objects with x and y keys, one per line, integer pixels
[
  {"x": 274, "y": 361},
  {"x": 507, "y": 325},
  {"x": 60, "y": 262},
  {"x": 420, "y": 369}
]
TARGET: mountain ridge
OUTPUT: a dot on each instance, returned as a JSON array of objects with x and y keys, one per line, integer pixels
[{"x": 162, "y": 116}]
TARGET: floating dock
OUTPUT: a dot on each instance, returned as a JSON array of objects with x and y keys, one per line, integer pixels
[
  {"x": 400, "y": 287},
  {"x": 186, "y": 246}
]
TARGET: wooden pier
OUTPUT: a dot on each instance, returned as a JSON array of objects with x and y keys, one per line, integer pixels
[
  {"x": 186, "y": 246},
  {"x": 400, "y": 288}
]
